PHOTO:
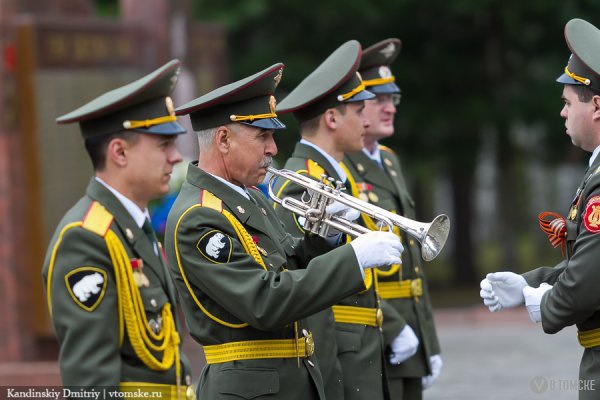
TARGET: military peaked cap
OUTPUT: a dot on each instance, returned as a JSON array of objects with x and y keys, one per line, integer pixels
[
  {"x": 583, "y": 68},
  {"x": 142, "y": 106},
  {"x": 375, "y": 66},
  {"x": 334, "y": 82},
  {"x": 248, "y": 101}
]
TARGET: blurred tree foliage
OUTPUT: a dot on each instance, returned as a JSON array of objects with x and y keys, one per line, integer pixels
[{"x": 467, "y": 69}]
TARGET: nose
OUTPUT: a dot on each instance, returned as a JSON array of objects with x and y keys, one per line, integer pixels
[
  {"x": 271, "y": 146},
  {"x": 563, "y": 112},
  {"x": 389, "y": 107},
  {"x": 175, "y": 156}
]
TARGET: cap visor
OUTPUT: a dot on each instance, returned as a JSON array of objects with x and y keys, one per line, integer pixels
[
  {"x": 169, "y": 128},
  {"x": 360, "y": 96},
  {"x": 266, "y": 123},
  {"x": 567, "y": 80},
  {"x": 384, "y": 89}
]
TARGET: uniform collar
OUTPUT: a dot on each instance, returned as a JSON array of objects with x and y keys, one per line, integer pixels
[
  {"x": 375, "y": 155},
  {"x": 336, "y": 165},
  {"x": 138, "y": 215},
  {"x": 237, "y": 188},
  {"x": 594, "y": 155}
]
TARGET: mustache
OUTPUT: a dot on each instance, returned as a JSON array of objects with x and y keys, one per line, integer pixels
[{"x": 266, "y": 162}]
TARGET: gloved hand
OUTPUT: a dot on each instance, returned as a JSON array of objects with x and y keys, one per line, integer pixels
[
  {"x": 501, "y": 290},
  {"x": 435, "y": 362},
  {"x": 404, "y": 346},
  {"x": 342, "y": 210},
  {"x": 377, "y": 248},
  {"x": 533, "y": 298}
]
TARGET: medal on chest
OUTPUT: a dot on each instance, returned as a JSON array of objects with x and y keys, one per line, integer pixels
[{"x": 137, "y": 266}]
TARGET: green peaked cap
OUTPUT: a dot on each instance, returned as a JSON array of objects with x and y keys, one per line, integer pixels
[
  {"x": 142, "y": 106},
  {"x": 375, "y": 66},
  {"x": 249, "y": 101},
  {"x": 334, "y": 82},
  {"x": 583, "y": 67}
]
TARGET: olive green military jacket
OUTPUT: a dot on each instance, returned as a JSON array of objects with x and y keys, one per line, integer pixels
[
  {"x": 253, "y": 286},
  {"x": 86, "y": 307},
  {"x": 385, "y": 187},
  {"x": 575, "y": 298},
  {"x": 359, "y": 347}
]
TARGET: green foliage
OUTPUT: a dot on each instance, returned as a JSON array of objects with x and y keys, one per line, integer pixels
[{"x": 107, "y": 8}]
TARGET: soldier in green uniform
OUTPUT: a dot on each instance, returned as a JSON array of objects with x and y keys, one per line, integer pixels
[
  {"x": 568, "y": 294},
  {"x": 376, "y": 177},
  {"x": 244, "y": 281},
  {"x": 328, "y": 105},
  {"x": 112, "y": 301}
]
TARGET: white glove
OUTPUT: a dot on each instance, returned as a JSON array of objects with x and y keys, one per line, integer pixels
[
  {"x": 533, "y": 298},
  {"x": 377, "y": 248},
  {"x": 501, "y": 290},
  {"x": 342, "y": 211},
  {"x": 435, "y": 362},
  {"x": 404, "y": 346}
]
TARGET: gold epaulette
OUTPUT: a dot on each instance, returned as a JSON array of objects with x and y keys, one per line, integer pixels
[
  {"x": 207, "y": 199},
  {"x": 97, "y": 219},
  {"x": 387, "y": 149},
  {"x": 314, "y": 169}
]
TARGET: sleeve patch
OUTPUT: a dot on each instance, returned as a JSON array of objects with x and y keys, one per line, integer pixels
[
  {"x": 591, "y": 219},
  {"x": 215, "y": 246},
  {"x": 86, "y": 286}
]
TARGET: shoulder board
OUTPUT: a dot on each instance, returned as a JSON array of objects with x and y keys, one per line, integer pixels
[
  {"x": 386, "y": 149},
  {"x": 314, "y": 169},
  {"x": 207, "y": 199},
  {"x": 97, "y": 219}
]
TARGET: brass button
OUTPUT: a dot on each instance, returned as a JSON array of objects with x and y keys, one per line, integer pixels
[
  {"x": 417, "y": 269},
  {"x": 153, "y": 302},
  {"x": 411, "y": 242}
]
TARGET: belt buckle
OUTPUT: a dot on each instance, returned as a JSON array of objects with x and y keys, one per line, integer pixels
[
  {"x": 309, "y": 343},
  {"x": 379, "y": 317},
  {"x": 416, "y": 289}
]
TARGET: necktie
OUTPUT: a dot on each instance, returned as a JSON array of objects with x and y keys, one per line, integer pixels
[{"x": 147, "y": 228}]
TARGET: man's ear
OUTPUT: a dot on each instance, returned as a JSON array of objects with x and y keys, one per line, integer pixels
[
  {"x": 223, "y": 138},
  {"x": 330, "y": 118},
  {"x": 596, "y": 103},
  {"x": 117, "y": 151}
]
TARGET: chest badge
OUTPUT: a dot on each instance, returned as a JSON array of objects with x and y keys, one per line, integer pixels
[{"x": 137, "y": 268}]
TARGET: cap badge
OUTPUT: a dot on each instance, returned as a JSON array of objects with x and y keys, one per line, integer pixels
[
  {"x": 272, "y": 104},
  {"x": 170, "y": 107},
  {"x": 388, "y": 50},
  {"x": 384, "y": 71},
  {"x": 277, "y": 77}
]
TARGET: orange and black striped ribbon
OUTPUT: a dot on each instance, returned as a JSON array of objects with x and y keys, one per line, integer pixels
[{"x": 554, "y": 225}]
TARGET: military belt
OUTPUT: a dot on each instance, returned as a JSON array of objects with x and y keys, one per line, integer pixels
[
  {"x": 400, "y": 289},
  {"x": 358, "y": 315},
  {"x": 256, "y": 349},
  {"x": 159, "y": 391},
  {"x": 589, "y": 339}
]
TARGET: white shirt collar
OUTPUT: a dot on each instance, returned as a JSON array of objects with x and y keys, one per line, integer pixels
[
  {"x": 237, "y": 188},
  {"x": 336, "y": 165},
  {"x": 594, "y": 155},
  {"x": 375, "y": 155},
  {"x": 138, "y": 215}
]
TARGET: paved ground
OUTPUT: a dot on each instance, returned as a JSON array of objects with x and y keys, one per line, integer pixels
[{"x": 503, "y": 356}]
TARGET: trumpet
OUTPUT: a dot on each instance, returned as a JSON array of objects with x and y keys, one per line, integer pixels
[{"x": 313, "y": 207}]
